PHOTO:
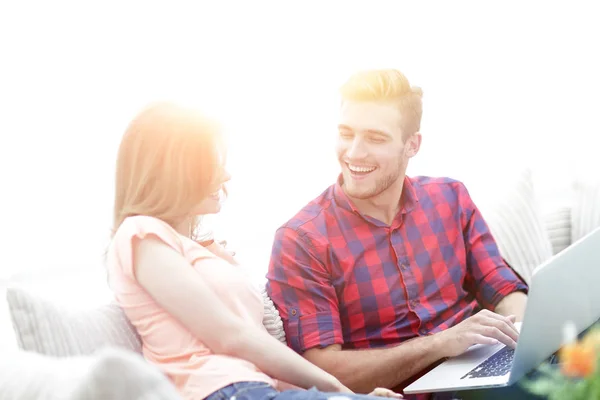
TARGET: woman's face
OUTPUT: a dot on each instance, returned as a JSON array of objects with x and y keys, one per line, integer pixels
[{"x": 212, "y": 203}]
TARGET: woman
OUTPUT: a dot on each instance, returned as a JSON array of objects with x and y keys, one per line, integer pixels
[{"x": 199, "y": 318}]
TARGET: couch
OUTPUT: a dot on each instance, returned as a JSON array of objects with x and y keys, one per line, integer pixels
[
  {"x": 95, "y": 353},
  {"x": 70, "y": 353}
]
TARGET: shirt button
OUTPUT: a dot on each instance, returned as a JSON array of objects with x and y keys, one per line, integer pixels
[
  {"x": 423, "y": 331},
  {"x": 414, "y": 303},
  {"x": 404, "y": 267},
  {"x": 294, "y": 312}
]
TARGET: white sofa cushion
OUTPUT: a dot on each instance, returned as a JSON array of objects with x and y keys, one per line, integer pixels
[
  {"x": 47, "y": 328},
  {"x": 108, "y": 374},
  {"x": 585, "y": 214},
  {"x": 509, "y": 207},
  {"x": 558, "y": 226},
  {"x": 119, "y": 374}
]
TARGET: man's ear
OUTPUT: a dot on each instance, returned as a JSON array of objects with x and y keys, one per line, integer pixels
[{"x": 412, "y": 145}]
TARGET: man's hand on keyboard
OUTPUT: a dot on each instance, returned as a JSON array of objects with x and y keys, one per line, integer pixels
[{"x": 485, "y": 327}]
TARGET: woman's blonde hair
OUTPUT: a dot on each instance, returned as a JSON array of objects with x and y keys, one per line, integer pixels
[{"x": 169, "y": 160}]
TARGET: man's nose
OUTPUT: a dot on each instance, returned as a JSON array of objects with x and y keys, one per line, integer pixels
[{"x": 357, "y": 150}]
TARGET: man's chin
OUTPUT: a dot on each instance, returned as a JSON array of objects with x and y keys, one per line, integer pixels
[{"x": 357, "y": 193}]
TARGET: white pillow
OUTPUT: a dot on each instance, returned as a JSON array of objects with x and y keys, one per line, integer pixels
[
  {"x": 271, "y": 319},
  {"x": 558, "y": 226},
  {"x": 122, "y": 375},
  {"x": 510, "y": 209},
  {"x": 108, "y": 374},
  {"x": 29, "y": 375},
  {"x": 51, "y": 329},
  {"x": 585, "y": 215}
]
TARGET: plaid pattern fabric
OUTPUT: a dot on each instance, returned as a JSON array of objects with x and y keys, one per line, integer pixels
[{"x": 339, "y": 277}]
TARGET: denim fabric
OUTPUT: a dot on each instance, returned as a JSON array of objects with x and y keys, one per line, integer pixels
[{"x": 263, "y": 391}]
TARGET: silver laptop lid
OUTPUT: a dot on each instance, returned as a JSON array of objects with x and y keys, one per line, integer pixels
[{"x": 565, "y": 289}]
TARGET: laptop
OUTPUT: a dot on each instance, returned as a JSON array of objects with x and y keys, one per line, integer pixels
[{"x": 563, "y": 290}]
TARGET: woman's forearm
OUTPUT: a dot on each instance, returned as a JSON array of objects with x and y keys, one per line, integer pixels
[{"x": 280, "y": 362}]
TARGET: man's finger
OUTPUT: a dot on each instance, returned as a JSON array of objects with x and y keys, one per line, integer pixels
[
  {"x": 505, "y": 328},
  {"x": 495, "y": 333},
  {"x": 477, "y": 338},
  {"x": 506, "y": 321}
]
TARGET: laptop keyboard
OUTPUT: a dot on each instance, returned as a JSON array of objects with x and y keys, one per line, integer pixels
[{"x": 497, "y": 365}]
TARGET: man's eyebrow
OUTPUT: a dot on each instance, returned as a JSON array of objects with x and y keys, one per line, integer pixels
[{"x": 343, "y": 127}]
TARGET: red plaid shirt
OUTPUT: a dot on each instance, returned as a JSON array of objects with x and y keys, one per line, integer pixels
[{"x": 339, "y": 277}]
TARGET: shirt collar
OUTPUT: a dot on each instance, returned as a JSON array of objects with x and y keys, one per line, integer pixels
[{"x": 408, "y": 199}]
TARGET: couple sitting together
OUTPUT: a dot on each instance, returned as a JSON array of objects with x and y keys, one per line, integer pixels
[{"x": 376, "y": 280}]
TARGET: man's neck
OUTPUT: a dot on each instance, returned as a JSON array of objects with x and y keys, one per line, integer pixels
[{"x": 385, "y": 206}]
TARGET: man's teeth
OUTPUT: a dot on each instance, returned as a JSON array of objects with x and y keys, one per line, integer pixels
[{"x": 355, "y": 168}]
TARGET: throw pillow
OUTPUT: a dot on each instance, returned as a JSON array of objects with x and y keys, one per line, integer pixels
[
  {"x": 47, "y": 328},
  {"x": 271, "y": 319},
  {"x": 108, "y": 374},
  {"x": 118, "y": 374},
  {"x": 510, "y": 209},
  {"x": 558, "y": 225},
  {"x": 585, "y": 215}
]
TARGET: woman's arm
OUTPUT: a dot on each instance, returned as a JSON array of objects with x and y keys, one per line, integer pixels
[{"x": 179, "y": 289}]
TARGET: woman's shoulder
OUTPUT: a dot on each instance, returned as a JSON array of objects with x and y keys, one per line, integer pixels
[{"x": 141, "y": 226}]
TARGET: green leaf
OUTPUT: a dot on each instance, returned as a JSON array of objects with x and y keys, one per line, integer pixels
[
  {"x": 546, "y": 368},
  {"x": 581, "y": 389},
  {"x": 541, "y": 386},
  {"x": 562, "y": 393}
]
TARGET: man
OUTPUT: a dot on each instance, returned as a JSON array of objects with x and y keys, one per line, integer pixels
[{"x": 383, "y": 275}]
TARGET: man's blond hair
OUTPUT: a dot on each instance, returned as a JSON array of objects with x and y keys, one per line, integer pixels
[{"x": 387, "y": 85}]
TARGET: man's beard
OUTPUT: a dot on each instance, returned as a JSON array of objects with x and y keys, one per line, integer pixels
[{"x": 381, "y": 185}]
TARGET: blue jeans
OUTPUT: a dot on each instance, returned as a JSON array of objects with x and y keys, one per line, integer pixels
[{"x": 264, "y": 391}]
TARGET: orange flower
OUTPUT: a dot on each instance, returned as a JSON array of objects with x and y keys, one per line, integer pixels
[{"x": 578, "y": 360}]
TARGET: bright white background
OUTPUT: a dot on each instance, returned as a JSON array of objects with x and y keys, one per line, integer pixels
[{"x": 506, "y": 84}]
